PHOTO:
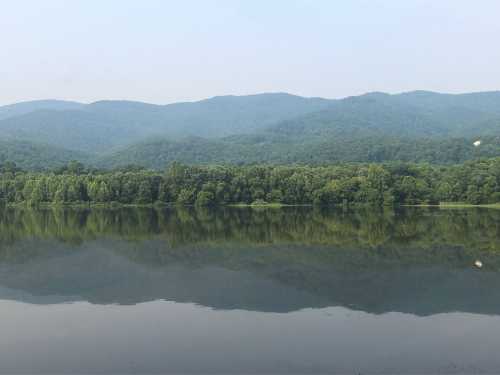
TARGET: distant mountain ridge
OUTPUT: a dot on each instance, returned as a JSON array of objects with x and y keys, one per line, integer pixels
[
  {"x": 99, "y": 126},
  {"x": 22, "y": 108},
  {"x": 272, "y": 127}
]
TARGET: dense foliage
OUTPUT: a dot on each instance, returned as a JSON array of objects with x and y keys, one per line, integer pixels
[
  {"x": 270, "y": 148},
  {"x": 35, "y": 156},
  {"x": 158, "y": 154},
  {"x": 476, "y": 182}
]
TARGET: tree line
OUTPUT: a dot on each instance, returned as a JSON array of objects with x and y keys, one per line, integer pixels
[{"x": 475, "y": 182}]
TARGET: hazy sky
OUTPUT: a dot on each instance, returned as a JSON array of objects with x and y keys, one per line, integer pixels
[{"x": 165, "y": 51}]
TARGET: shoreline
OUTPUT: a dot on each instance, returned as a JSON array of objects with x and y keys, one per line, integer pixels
[
  {"x": 456, "y": 205},
  {"x": 116, "y": 205}
]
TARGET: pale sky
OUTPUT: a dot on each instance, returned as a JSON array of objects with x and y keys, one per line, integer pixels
[{"x": 165, "y": 51}]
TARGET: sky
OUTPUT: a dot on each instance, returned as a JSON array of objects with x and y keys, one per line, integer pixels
[{"x": 167, "y": 51}]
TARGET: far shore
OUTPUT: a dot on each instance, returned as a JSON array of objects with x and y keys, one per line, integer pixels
[{"x": 235, "y": 205}]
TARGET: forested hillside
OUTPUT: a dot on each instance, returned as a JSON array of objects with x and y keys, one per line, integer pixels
[
  {"x": 406, "y": 115},
  {"x": 274, "y": 149},
  {"x": 36, "y": 156},
  {"x": 98, "y": 126},
  {"x": 417, "y": 126}
]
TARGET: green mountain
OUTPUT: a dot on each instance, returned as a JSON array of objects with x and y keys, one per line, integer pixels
[
  {"x": 412, "y": 115},
  {"x": 77, "y": 130},
  {"x": 266, "y": 128},
  {"x": 99, "y": 126}
]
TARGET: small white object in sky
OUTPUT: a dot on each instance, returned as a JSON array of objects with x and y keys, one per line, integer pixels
[
  {"x": 478, "y": 264},
  {"x": 477, "y": 143}
]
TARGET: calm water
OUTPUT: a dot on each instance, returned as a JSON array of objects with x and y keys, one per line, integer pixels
[{"x": 294, "y": 290}]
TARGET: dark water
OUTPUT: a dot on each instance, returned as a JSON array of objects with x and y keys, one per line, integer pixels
[{"x": 293, "y": 290}]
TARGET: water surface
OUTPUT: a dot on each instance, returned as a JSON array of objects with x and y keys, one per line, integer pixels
[{"x": 236, "y": 290}]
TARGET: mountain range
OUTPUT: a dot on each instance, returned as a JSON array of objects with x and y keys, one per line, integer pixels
[{"x": 263, "y": 128}]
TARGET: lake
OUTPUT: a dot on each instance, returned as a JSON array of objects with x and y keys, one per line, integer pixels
[{"x": 242, "y": 290}]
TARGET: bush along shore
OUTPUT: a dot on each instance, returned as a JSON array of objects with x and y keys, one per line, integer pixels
[{"x": 472, "y": 183}]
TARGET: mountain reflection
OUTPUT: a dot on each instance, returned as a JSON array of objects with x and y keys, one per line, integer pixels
[{"x": 412, "y": 260}]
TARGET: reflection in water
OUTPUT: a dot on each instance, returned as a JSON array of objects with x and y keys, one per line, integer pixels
[
  {"x": 415, "y": 261},
  {"x": 292, "y": 290}
]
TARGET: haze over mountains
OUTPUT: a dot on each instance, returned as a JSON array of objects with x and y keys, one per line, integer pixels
[{"x": 275, "y": 128}]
